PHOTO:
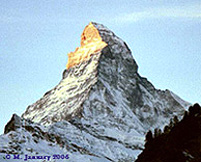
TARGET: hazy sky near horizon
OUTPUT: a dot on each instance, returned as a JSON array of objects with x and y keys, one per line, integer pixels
[{"x": 35, "y": 37}]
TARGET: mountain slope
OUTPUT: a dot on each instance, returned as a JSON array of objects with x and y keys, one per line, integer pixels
[{"x": 102, "y": 105}]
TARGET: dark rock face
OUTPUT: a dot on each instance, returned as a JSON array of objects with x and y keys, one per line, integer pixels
[
  {"x": 65, "y": 74},
  {"x": 101, "y": 106},
  {"x": 13, "y": 124},
  {"x": 180, "y": 142}
]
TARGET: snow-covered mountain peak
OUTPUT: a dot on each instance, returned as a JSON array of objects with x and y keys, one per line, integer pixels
[
  {"x": 102, "y": 56},
  {"x": 91, "y": 42},
  {"x": 102, "y": 105}
]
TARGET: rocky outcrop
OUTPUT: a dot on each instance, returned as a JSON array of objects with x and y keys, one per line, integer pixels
[
  {"x": 13, "y": 124},
  {"x": 102, "y": 105},
  {"x": 23, "y": 137},
  {"x": 91, "y": 43}
]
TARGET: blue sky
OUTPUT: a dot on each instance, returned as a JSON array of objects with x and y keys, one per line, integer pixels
[{"x": 164, "y": 36}]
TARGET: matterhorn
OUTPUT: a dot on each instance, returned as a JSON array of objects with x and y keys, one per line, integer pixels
[{"x": 100, "y": 111}]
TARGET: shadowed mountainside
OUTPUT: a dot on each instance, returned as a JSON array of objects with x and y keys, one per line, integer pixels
[{"x": 180, "y": 142}]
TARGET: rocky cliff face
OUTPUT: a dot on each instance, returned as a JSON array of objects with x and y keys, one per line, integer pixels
[{"x": 102, "y": 105}]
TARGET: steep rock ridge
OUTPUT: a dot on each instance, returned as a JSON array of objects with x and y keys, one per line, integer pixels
[
  {"x": 124, "y": 93},
  {"x": 102, "y": 104},
  {"x": 91, "y": 42},
  {"x": 65, "y": 100}
]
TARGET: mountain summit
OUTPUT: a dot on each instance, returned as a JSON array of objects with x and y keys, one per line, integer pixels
[
  {"x": 102, "y": 59},
  {"x": 102, "y": 107},
  {"x": 91, "y": 42}
]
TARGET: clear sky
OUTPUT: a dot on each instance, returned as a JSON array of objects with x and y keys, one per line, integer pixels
[{"x": 35, "y": 37}]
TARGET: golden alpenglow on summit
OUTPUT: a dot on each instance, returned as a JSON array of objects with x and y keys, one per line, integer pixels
[{"x": 91, "y": 42}]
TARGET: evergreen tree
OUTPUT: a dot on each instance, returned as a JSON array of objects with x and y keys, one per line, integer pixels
[
  {"x": 166, "y": 129},
  {"x": 157, "y": 132},
  {"x": 185, "y": 114},
  {"x": 149, "y": 136},
  {"x": 171, "y": 125},
  {"x": 194, "y": 109},
  {"x": 176, "y": 120}
]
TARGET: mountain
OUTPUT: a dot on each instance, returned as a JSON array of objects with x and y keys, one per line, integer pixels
[
  {"x": 180, "y": 142},
  {"x": 100, "y": 110}
]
